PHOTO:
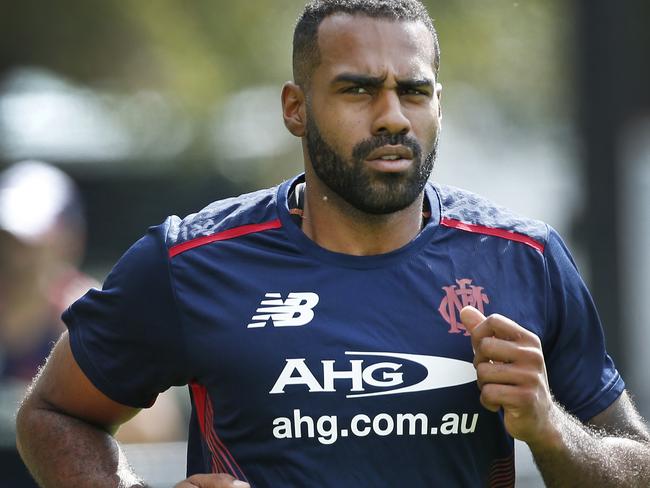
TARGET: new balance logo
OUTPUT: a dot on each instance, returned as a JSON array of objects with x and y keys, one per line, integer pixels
[{"x": 296, "y": 310}]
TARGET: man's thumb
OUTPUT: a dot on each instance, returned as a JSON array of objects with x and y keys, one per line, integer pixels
[{"x": 471, "y": 317}]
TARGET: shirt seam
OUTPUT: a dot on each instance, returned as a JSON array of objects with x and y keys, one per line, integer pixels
[{"x": 176, "y": 304}]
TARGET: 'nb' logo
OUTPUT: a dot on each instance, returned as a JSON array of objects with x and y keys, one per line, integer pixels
[{"x": 296, "y": 310}]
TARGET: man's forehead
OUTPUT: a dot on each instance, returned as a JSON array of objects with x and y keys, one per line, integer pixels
[{"x": 369, "y": 45}]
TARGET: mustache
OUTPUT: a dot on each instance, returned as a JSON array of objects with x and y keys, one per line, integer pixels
[{"x": 361, "y": 150}]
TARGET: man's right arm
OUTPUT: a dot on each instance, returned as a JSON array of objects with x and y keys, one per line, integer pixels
[{"x": 65, "y": 427}]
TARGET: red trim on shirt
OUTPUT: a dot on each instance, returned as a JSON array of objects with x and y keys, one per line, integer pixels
[
  {"x": 223, "y": 236},
  {"x": 226, "y": 456},
  {"x": 491, "y": 231},
  {"x": 222, "y": 460},
  {"x": 198, "y": 396},
  {"x": 502, "y": 473}
]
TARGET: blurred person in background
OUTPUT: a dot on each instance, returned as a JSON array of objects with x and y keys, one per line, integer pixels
[
  {"x": 42, "y": 234},
  {"x": 42, "y": 241},
  {"x": 274, "y": 307}
]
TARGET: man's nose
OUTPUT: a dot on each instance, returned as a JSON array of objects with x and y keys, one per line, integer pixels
[{"x": 390, "y": 117}]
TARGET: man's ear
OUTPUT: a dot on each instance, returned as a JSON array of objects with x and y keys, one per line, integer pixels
[{"x": 294, "y": 109}]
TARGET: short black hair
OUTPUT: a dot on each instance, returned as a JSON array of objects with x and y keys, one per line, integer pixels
[{"x": 306, "y": 55}]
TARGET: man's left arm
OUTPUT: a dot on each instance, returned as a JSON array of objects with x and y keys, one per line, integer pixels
[{"x": 612, "y": 450}]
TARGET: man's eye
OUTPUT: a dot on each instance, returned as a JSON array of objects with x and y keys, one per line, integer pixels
[
  {"x": 414, "y": 91},
  {"x": 357, "y": 90}
]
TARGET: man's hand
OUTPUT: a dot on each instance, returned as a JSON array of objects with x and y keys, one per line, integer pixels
[
  {"x": 212, "y": 481},
  {"x": 511, "y": 374}
]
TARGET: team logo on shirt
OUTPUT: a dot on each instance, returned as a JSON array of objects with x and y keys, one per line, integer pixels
[
  {"x": 296, "y": 310},
  {"x": 456, "y": 297}
]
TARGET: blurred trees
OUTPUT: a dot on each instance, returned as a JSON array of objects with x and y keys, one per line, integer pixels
[
  {"x": 196, "y": 53},
  {"x": 196, "y": 50}
]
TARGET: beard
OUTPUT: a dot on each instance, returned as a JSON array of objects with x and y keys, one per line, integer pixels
[{"x": 364, "y": 189}]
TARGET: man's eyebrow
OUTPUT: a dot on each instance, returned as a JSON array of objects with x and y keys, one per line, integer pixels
[
  {"x": 416, "y": 83},
  {"x": 377, "y": 81},
  {"x": 361, "y": 80}
]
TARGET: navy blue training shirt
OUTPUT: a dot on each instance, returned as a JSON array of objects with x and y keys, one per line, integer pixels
[{"x": 313, "y": 368}]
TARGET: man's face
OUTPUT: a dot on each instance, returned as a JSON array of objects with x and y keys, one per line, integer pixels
[{"x": 373, "y": 111}]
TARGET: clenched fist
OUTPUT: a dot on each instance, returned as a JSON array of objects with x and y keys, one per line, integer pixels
[{"x": 511, "y": 374}]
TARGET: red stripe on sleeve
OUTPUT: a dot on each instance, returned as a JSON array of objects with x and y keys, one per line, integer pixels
[
  {"x": 223, "y": 236},
  {"x": 491, "y": 231}
]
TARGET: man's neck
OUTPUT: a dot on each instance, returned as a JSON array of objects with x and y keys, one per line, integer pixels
[{"x": 335, "y": 225}]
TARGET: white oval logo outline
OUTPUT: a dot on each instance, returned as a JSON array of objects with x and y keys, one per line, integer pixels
[{"x": 457, "y": 372}]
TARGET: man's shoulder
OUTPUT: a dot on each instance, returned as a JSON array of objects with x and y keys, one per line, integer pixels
[
  {"x": 249, "y": 209},
  {"x": 465, "y": 210}
]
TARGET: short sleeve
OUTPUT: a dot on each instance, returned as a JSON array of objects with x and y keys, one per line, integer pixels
[
  {"x": 127, "y": 337},
  {"x": 582, "y": 376}
]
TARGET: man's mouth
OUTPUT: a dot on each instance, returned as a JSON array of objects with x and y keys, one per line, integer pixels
[{"x": 390, "y": 159}]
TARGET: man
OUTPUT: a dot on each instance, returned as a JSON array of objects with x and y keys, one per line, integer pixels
[{"x": 317, "y": 323}]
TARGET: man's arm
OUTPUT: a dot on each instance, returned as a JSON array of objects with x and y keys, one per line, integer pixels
[
  {"x": 65, "y": 427},
  {"x": 613, "y": 451}
]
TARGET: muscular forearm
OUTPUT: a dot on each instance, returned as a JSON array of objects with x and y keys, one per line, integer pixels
[
  {"x": 62, "y": 451},
  {"x": 580, "y": 456}
]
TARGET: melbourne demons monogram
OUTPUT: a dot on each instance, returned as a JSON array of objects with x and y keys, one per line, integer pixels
[{"x": 459, "y": 296}]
